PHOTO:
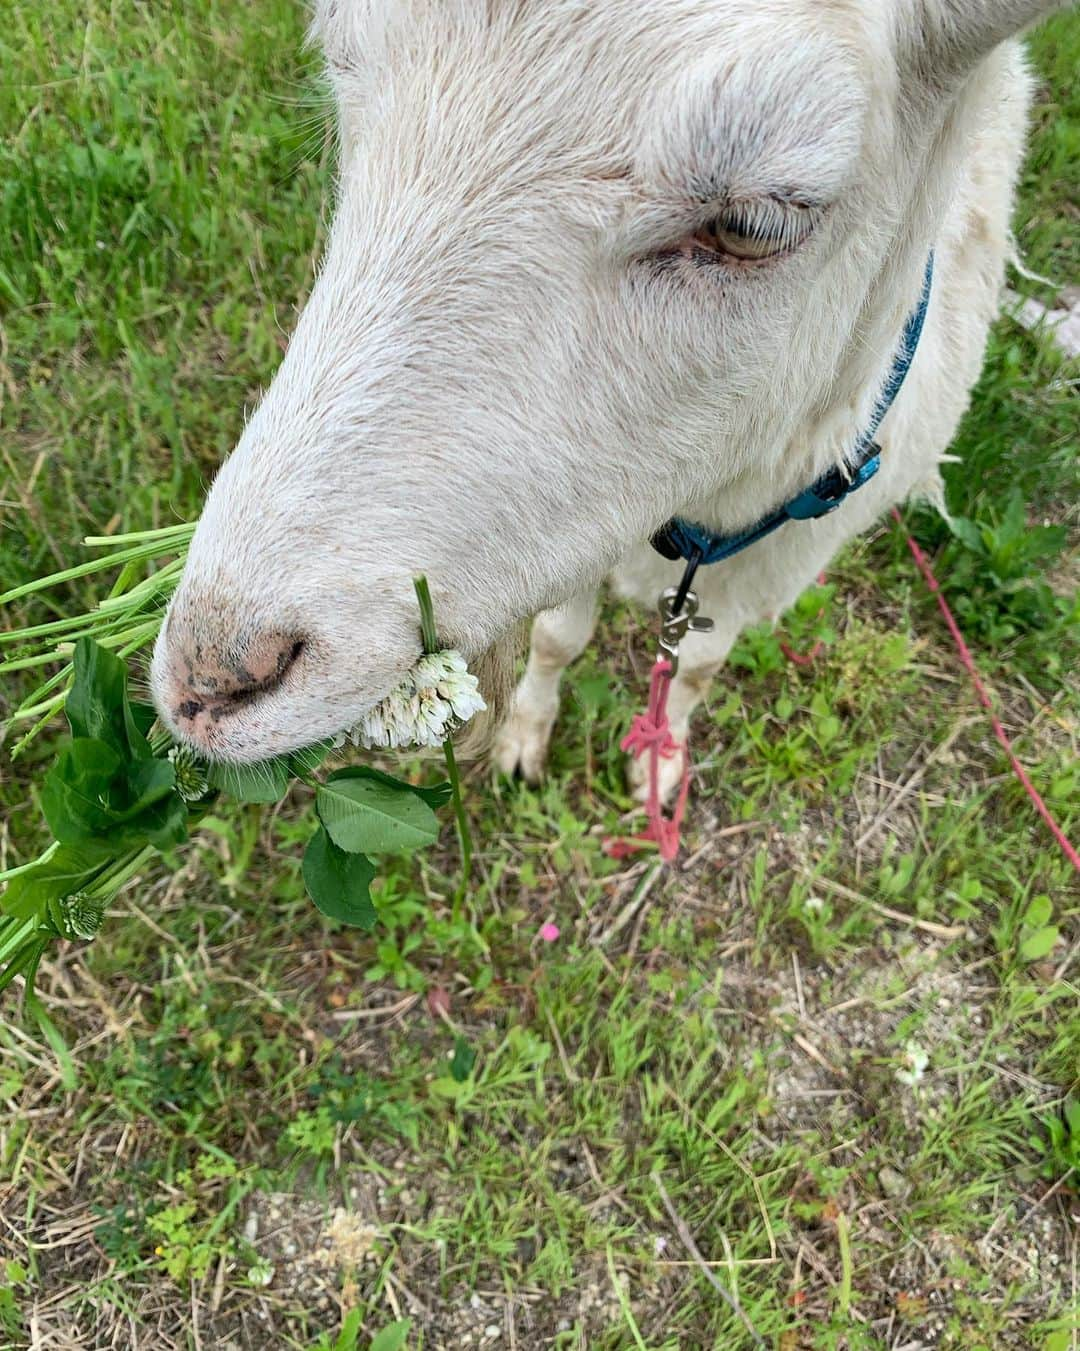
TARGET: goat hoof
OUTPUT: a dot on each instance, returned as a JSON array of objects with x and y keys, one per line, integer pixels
[
  {"x": 669, "y": 778},
  {"x": 521, "y": 747}
]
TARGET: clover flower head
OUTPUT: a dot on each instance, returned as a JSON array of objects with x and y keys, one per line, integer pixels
[
  {"x": 916, "y": 1060},
  {"x": 381, "y": 728},
  {"x": 448, "y": 675},
  {"x": 436, "y": 697},
  {"x": 81, "y": 915},
  {"x": 191, "y": 781}
]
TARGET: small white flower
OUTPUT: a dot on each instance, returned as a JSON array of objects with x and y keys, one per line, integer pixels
[
  {"x": 261, "y": 1273},
  {"x": 814, "y": 904},
  {"x": 432, "y": 717},
  {"x": 191, "y": 781},
  {"x": 81, "y": 915},
  {"x": 381, "y": 728},
  {"x": 439, "y": 694},
  {"x": 453, "y": 682},
  {"x": 916, "y": 1061}
]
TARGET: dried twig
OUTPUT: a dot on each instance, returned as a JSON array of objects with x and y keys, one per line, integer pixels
[
  {"x": 692, "y": 1248},
  {"x": 925, "y": 925},
  {"x": 626, "y": 914}
]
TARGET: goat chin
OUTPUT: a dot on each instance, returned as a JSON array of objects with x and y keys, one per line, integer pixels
[{"x": 496, "y": 670}]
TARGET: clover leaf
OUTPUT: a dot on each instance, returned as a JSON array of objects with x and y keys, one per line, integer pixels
[
  {"x": 339, "y": 883},
  {"x": 366, "y": 816}
]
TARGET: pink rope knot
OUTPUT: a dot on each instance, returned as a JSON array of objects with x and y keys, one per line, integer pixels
[
  {"x": 651, "y": 730},
  {"x": 650, "y": 734},
  {"x": 646, "y": 735}
]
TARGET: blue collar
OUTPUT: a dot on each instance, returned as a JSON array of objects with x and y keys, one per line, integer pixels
[{"x": 698, "y": 545}]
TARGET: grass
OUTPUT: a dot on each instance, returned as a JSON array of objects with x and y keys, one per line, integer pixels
[{"x": 239, "y": 1124}]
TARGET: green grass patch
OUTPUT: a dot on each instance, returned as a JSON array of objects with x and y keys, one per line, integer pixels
[{"x": 842, "y": 1039}]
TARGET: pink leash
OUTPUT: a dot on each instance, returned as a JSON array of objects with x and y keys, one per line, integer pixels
[
  {"x": 806, "y": 658},
  {"x": 650, "y": 734},
  {"x": 984, "y": 698}
]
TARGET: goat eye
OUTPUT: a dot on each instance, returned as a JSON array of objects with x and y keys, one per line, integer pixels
[{"x": 740, "y": 236}]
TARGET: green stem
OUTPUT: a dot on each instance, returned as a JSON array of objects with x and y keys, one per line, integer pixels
[
  {"x": 81, "y": 570},
  {"x": 123, "y": 636},
  {"x": 462, "y": 821},
  {"x": 15, "y": 935},
  {"x": 843, "y": 1235},
  {"x": 53, "y": 628},
  {"x": 51, "y": 710},
  {"x": 185, "y": 530},
  {"x": 25, "y": 962},
  {"x": 25, "y": 867},
  {"x": 118, "y": 874},
  {"x": 430, "y": 636},
  {"x": 428, "y": 632}
]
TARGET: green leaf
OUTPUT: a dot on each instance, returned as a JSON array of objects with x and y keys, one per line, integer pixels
[
  {"x": 366, "y": 816},
  {"x": 144, "y": 716},
  {"x": 65, "y": 1062},
  {"x": 265, "y": 782},
  {"x": 72, "y": 868},
  {"x": 446, "y": 1087},
  {"x": 88, "y": 795},
  {"x": 464, "y": 1059},
  {"x": 438, "y": 795},
  {"x": 595, "y": 694},
  {"x": 148, "y": 781},
  {"x": 98, "y": 706},
  {"x": 1038, "y": 912},
  {"x": 165, "y": 824},
  {"x": 339, "y": 883},
  {"x": 77, "y": 796},
  {"x": 393, "y": 1337},
  {"x": 967, "y": 532},
  {"x": 1039, "y": 944},
  {"x": 349, "y": 1335}
]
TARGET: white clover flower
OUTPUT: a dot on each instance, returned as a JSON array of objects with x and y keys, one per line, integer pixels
[
  {"x": 261, "y": 1273},
  {"x": 916, "y": 1061},
  {"x": 450, "y": 676},
  {"x": 81, "y": 915},
  {"x": 437, "y": 696},
  {"x": 191, "y": 781},
  {"x": 431, "y": 716},
  {"x": 381, "y": 727}
]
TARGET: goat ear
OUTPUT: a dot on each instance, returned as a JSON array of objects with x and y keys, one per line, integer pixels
[{"x": 952, "y": 35}]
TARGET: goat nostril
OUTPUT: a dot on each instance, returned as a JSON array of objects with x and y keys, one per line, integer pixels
[
  {"x": 272, "y": 672},
  {"x": 219, "y": 688}
]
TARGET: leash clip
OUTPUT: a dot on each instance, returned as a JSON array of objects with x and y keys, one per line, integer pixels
[{"x": 678, "y": 617}]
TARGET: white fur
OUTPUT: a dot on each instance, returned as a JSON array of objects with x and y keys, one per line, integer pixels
[{"x": 491, "y": 383}]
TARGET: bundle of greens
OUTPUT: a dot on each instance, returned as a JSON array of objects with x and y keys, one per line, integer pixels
[{"x": 120, "y": 791}]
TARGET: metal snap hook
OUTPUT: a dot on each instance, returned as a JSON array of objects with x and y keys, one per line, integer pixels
[{"x": 676, "y": 623}]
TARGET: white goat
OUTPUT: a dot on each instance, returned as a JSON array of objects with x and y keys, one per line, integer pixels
[{"x": 594, "y": 265}]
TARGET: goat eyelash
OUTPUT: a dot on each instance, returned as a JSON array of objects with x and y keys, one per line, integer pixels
[
  {"x": 744, "y": 236},
  {"x": 751, "y": 233}
]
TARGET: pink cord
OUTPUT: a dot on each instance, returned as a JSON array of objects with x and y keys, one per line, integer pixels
[
  {"x": 650, "y": 734},
  {"x": 984, "y": 698},
  {"x": 803, "y": 658},
  {"x": 806, "y": 658}
]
